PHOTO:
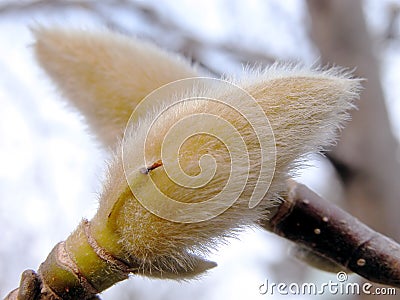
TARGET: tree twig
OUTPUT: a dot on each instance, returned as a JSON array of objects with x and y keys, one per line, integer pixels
[
  {"x": 304, "y": 218},
  {"x": 309, "y": 220}
]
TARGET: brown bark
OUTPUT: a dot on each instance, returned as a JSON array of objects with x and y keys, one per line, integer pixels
[
  {"x": 366, "y": 154},
  {"x": 324, "y": 228},
  {"x": 304, "y": 218}
]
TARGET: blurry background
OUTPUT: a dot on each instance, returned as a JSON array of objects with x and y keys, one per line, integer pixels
[{"x": 51, "y": 169}]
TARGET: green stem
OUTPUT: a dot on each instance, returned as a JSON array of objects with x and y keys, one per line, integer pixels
[{"x": 79, "y": 268}]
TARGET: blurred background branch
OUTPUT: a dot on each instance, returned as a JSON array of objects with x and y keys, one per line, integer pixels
[{"x": 365, "y": 157}]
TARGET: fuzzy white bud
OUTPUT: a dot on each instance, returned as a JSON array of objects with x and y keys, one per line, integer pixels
[{"x": 233, "y": 143}]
